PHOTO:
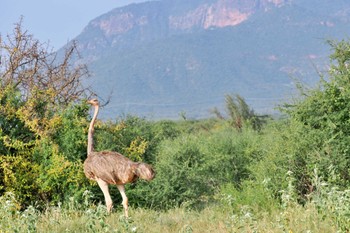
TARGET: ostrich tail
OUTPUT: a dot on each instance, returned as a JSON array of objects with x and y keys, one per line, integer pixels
[{"x": 145, "y": 171}]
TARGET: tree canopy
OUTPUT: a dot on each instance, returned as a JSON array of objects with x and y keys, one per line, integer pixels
[{"x": 37, "y": 89}]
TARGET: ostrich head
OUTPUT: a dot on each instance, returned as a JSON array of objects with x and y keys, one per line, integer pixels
[{"x": 93, "y": 102}]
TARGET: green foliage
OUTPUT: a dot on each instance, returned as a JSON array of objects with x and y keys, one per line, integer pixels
[
  {"x": 15, "y": 135},
  {"x": 258, "y": 172},
  {"x": 59, "y": 177},
  {"x": 71, "y": 132},
  {"x": 323, "y": 115},
  {"x": 191, "y": 167},
  {"x": 18, "y": 175},
  {"x": 282, "y": 152},
  {"x": 165, "y": 129},
  {"x": 41, "y": 134},
  {"x": 46, "y": 171},
  {"x": 331, "y": 200},
  {"x": 240, "y": 114},
  {"x": 221, "y": 217},
  {"x": 180, "y": 173},
  {"x": 237, "y": 110},
  {"x": 131, "y": 136}
]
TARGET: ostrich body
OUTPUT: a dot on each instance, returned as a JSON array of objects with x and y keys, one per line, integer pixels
[{"x": 109, "y": 167}]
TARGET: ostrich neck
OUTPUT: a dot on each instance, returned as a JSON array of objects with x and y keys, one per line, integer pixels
[{"x": 90, "y": 147}]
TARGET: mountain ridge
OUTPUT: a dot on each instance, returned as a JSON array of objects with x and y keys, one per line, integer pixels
[
  {"x": 199, "y": 15},
  {"x": 161, "y": 58}
]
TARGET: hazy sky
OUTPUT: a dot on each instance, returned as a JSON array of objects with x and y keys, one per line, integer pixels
[{"x": 56, "y": 21}]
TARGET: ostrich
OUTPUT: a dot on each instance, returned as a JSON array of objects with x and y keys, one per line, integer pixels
[{"x": 109, "y": 167}]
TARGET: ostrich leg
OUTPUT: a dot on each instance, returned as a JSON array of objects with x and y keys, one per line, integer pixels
[
  {"x": 125, "y": 199},
  {"x": 104, "y": 187},
  {"x": 112, "y": 166}
]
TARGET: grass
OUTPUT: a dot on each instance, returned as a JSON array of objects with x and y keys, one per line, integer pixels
[
  {"x": 217, "y": 218},
  {"x": 327, "y": 211}
]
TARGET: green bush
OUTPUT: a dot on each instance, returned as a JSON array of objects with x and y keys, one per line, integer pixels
[
  {"x": 131, "y": 136},
  {"x": 191, "y": 168},
  {"x": 323, "y": 119},
  {"x": 71, "y": 134},
  {"x": 331, "y": 200}
]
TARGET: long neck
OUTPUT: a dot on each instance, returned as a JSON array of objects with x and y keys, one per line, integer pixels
[{"x": 90, "y": 147}]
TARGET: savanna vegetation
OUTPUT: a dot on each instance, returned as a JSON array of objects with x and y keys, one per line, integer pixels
[{"x": 235, "y": 172}]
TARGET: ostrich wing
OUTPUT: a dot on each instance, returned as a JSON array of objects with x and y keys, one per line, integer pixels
[{"x": 111, "y": 167}]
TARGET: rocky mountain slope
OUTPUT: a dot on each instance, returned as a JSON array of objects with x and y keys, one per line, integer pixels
[
  {"x": 160, "y": 58},
  {"x": 135, "y": 24}
]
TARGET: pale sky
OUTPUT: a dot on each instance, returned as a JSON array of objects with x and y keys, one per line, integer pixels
[{"x": 54, "y": 21}]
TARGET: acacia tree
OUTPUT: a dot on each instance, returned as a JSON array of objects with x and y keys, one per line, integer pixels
[
  {"x": 30, "y": 66},
  {"x": 323, "y": 115},
  {"x": 37, "y": 86},
  {"x": 239, "y": 113},
  {"x": 39, "y": 83}
]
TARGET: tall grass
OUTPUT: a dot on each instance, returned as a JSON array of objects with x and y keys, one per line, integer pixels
[
  {"x": 212, "y": 219},
  {"x": 326, "y": 212}
]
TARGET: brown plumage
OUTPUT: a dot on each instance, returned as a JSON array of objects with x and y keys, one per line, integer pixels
[
  {"x": 109, "y": 167},
  {"x": 115, "y": 168}
]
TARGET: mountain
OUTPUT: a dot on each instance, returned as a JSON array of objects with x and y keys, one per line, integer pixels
[{"x": 162, "y": 58}]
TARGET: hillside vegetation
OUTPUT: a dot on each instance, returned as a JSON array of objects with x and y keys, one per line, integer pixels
[
  {"x": 159, "y": 58},
  {"x": 237, "y": 172}
]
